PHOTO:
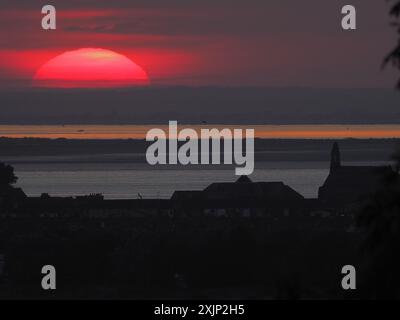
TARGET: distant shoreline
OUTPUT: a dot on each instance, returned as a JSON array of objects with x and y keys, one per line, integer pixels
[{"x": 4, "y": 139}]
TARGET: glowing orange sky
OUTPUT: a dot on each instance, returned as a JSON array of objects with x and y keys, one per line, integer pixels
[{"x": 204, "y": 42}]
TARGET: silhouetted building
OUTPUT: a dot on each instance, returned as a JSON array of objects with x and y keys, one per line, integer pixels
[
  {"x": 350, "y": 184},
  {"x": 243, "y": 197},
  {"x": 91, "y": 197},
  {"x": 246, "y": 190}
]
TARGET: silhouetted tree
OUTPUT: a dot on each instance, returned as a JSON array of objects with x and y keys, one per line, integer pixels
[
  {"x": 381, "y": 220},
  {"x": 381, "y": 217},
  {"x": 7, "y": 176},
  {"x": 394, "y": 56}
]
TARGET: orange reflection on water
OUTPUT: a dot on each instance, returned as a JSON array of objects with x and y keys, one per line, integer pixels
[{"x": 261, "y": 131}]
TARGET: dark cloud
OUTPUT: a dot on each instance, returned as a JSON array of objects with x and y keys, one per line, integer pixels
[
  {"x": 195, "y": 17},
  {"x": 236, "y": 14}
]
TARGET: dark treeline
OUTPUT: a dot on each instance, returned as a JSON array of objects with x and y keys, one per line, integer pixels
[{"x": 285, "y": 258}]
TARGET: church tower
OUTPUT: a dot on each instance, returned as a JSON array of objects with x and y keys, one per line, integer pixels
[{"x": 335, "y": 157}]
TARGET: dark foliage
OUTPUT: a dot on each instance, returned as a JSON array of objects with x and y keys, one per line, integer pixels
[
  {"x": 7, "y": 176},
  {"x": 381, "y": 220},
  {"x": 287, "y": 258},
  {"x": 394, "y": 56},
  {"x": 381, "y": 217}
]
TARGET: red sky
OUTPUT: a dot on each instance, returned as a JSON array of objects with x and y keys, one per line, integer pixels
[{"x": 269, "y": 43}]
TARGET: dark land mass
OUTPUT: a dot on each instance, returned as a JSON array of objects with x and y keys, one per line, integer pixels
[
  {"x": 170, "y": 258},
  {"x": 238, "y": 240}
]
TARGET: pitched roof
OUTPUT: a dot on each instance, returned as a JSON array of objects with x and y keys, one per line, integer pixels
[
  {"x": 267, "y": 191},
  {"x": 243, "y": 179}
]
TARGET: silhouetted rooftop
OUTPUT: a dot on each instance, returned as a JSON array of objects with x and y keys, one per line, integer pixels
[{"x": 346, "y": 184}]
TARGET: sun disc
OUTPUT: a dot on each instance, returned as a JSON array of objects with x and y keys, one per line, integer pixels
[{"x": 90, "y": 67}]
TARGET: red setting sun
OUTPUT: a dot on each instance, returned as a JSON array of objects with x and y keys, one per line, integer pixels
[{"x": 90, "y": 68}]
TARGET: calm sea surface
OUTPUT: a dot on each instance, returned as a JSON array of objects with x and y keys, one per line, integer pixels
[
  {"x": 116, "y": 183},
  {"x": 126, "y": 180}
]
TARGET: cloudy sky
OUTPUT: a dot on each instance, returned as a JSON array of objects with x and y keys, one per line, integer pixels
[{"x": 275, "y": 43}]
